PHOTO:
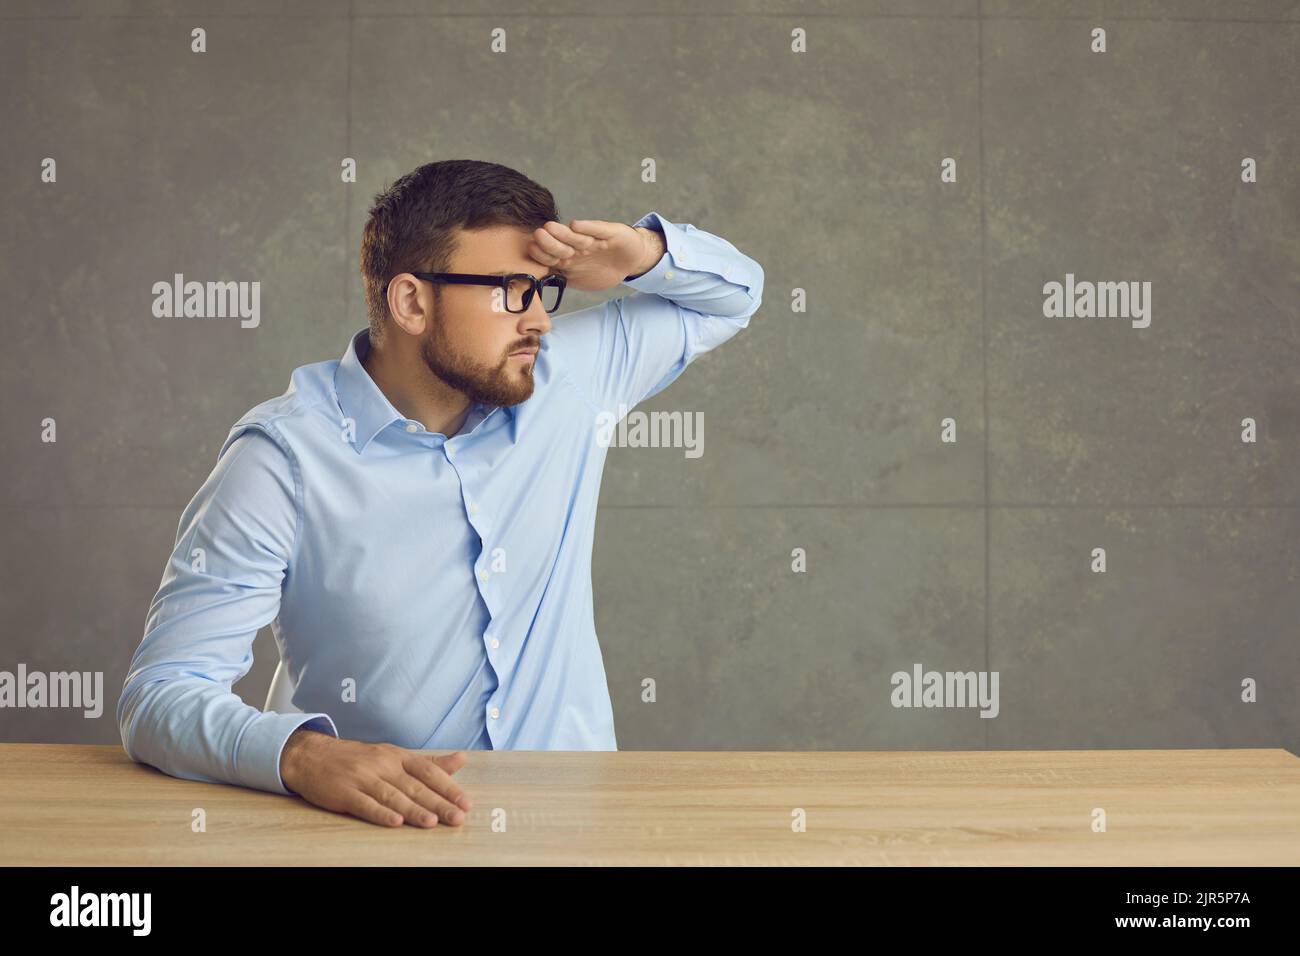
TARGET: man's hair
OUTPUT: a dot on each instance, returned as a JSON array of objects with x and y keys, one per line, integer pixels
[{"x": 412, "y": 225}]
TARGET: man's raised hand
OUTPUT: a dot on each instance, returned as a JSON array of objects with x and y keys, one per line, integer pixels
[{"x": 594, "y": 255}]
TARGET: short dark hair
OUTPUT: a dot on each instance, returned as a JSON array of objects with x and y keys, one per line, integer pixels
[{"x": 412, "y": 225}]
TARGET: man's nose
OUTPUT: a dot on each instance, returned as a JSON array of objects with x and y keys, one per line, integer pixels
[{"x": 536, "y": 320}]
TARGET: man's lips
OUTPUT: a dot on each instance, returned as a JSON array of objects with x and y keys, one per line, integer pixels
[{"x": 532, "y": 351}]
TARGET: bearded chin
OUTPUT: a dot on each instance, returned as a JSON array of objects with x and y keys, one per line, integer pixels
[{"x": 490, "y": 386}]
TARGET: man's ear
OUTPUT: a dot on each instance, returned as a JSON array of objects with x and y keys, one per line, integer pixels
[{"x": 413, "y": 317}]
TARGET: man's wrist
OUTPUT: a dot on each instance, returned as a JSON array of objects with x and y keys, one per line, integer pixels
[
  {"x": 655, "y": 245},
  {"x": 302, "y": 741}
]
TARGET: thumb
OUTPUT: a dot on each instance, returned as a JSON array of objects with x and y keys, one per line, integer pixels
[{"x": 451, "y": 762}]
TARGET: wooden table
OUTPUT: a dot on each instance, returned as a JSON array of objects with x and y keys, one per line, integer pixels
[{"x": 91, "y": 805}]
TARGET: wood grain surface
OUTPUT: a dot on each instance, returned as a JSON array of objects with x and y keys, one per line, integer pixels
[{"x": 91, "y": 805}]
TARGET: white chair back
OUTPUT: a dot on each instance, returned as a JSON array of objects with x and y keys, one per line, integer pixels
[{"x": 280, "y": 698}]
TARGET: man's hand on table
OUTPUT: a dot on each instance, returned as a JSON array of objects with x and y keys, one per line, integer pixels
[{"x": 379, "y": 783}]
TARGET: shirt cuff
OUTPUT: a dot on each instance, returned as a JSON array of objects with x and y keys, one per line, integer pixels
[
  {"x": 257, "y": 760},
  {"x": 675, "y": 241},
  {"x": 686, "y": 254}
]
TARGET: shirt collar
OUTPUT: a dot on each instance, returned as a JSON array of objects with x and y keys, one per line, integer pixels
[{"x": 369, "y": 409}]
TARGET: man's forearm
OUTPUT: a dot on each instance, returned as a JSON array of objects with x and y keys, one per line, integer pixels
[{"x": 697, "y": 270}]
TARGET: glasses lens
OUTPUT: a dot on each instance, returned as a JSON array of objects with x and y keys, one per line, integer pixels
[
  {"x": 517, "y": 291},
  {"x": 551, "y": 295}
]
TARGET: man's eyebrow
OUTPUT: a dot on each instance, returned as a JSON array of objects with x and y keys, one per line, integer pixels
[{"x": 511, "y": 272}]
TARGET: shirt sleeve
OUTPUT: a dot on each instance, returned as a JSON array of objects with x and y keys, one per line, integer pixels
[
  {"x": 221, "y": 584},
  {"x": 702, "y": 292}
]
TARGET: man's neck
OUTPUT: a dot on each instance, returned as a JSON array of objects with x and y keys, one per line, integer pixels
[{"x": 416, "y": 392}]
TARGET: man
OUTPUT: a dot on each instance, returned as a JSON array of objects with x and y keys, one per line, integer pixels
[{"x": 416, "y": 519}]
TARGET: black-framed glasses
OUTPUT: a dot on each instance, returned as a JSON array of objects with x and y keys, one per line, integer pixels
[{"x": 517, "y": 288}]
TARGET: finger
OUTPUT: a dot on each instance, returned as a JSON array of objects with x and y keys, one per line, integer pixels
[
  {"x": 434, "y": 788},
  {"x": 415, "y": 787},
  {"x": 365, "y": 807},
  {"x": 551, "y": 245},
  {"x": 598, "y": 228},
  {"x": 451, "y": 762},
  {"x": 390, "y": 796},
  {"x": 575, "y": 240},
  {"x": 545, "y": 258}
]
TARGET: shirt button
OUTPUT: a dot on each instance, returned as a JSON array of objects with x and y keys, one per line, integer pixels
[
  {"x": 668, "y": 275},
  {"x": 495, "y": 713},
  {"x": 483, "y": 575},
  {"x": 412, "y": 427},
  {"x": 495, "y": 643},
  {"x": 472, "y": 507}
]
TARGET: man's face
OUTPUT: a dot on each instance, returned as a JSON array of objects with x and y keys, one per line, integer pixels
[{"x": 471, "y": 338}]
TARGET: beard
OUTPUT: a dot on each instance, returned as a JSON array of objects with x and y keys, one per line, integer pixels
[{"x": 500, "y": 384}]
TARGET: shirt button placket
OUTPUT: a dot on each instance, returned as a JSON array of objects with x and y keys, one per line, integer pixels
[{"x": 472, "y": 507}]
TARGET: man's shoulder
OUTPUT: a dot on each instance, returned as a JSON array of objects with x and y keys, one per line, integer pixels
[{"x": 303, "y": 405}]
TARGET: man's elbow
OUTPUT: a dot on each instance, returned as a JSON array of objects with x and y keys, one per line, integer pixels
[
  {"x": 125, "y": 719},
  {"x": 132, "y": 704}
]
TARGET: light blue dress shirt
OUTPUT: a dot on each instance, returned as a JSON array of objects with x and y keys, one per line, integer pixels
[{"x": 427, "y": 591}]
